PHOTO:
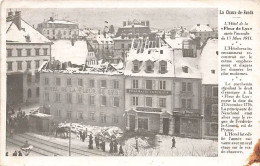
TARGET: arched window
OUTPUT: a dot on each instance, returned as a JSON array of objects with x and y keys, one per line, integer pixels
[{"x": 29, "y": 93}]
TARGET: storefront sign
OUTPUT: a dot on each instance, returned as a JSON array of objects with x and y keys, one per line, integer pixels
[
  {"x": 83, "y": 90},
  {"x": 150, "y": 92},
  {"x": 147, "y": 109}
]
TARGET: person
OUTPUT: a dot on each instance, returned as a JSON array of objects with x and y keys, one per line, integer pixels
[
  {"x": 97, "y": 141},
  {"x": 111, "y": 147},
  {"x": 90, "y": 146},
  {"x": 121, "y": 152},
  {"x": 173, "y": 142},
  {"x": 103, "y": 145},
  {"x": 83, "y": 137},
  {"x": 15, "y": 153},
  {"x": 80, "y": 135},
  {"x": 86, "y": 132},
  {"x": 20, "y": 153},
  {"x": 115, "y": 146},
  {"x": 136, "y": 144}
]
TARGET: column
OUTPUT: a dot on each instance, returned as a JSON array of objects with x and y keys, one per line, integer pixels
[{"x": 161, "y": 125}]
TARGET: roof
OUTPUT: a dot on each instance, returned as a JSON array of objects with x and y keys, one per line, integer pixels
[
  {"x": 101, "y": 39},
  {"x": 208, "y": 62},
  {"x": 177, "y": 42},
  {"x": 14, "y": 35},
  {"x": 60, "y": 22},
  {"x": 201, "y": 28},
  {"x": 135, "y": 26},
  {"x": 63, "y": 51}
]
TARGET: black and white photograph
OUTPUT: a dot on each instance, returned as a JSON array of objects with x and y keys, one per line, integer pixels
[{"x": 112, "y": 82}]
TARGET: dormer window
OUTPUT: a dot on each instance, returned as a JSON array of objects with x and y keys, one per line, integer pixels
[
  {"x": 136, "y": 66},
  {"x": 163, "y": 67},
  {"x": 149, "y": 66},
  {"x": 185, "y": 69}
]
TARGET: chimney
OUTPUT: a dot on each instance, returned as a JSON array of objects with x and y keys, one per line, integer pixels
[
  {"x": 51, "y": 19},
  {"x": 10, "y": 14},
  {"x": 17, "y": 19},
  {"x": 143, "y": 23},
  {"x": 198, "y": 24},
  {"x": 173, "y": 34},
  {"x": 124, "y": 23},
  {"x": 147, "y": 23},
  {"x": 208, "y": 25}
]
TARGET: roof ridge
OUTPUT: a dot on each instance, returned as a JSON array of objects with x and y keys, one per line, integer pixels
[{"x": 9, "y": 26}]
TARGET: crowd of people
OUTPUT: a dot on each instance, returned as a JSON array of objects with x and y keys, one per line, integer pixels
[{"x": 16, "y": 122}]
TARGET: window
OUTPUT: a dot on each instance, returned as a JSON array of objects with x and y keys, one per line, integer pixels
[
  {"x": 103, "y": 83},
  {"x": 69, "y": 98},
  {"x": 103, "y": 101},
  {"x": 186, "y": 103},
  {"x": 53, "y": 32},
  {"x": 115, "y": 119},
  {"x": 186, "y": 87},
  {"x": 80, "y": 82},
  {"x": 47, "y": 32},
  {"x": 135, "y": 101},
  {"x": 19, "y": 65},
  {"x": 19, "y": 52},
  {"x": 215, "y": 91},
  {"x": 37, "y": 64},
  {"x": 122, "y": 45},
  {"x": 58, "y": 113},
  {"x": 46, "y": 81},
  {"x": 68, "y": 81},
  {"x": 29, "y": 93},
  {"x": 161, "y": 51},
  {"x": 187, "y": 52},
  {"x": 149, "y": 68},
  {"x": 69, "y": 114},
  {"x": 29, "y": 78},
  {"x": 116, "y": 84},
  {"x": 9, "y": 52},
  {"x": 116, "y": 102},
  {"x": 9, "y": 66},
  {"x": 185, "y": 69},
  {"x": 92, "y": 100},
  {"x": 45, "y": 51},
  {"x": 37, "y": 51},
  {"x": 79, "y": 98},
  {"x": 57, "y": 97},
  {"x": 163, "y": 68},
  {"x": 28, "y": 64},
  {"x": 92, "y": 116},
  {"x": 162, "y": 102},
  {"x": 129, "y": 45},
  {"x": 162, "y": 85},
  {"x": 136, "y": 67},
  {"x": 214, "y": 111},
  {"x": 46, "y": 96},
  {"x": 79, "y": 115},
  {"x": 149, "y": 101},
  {"x": 135, "y": 84},
  {"x": 57, "y": 81},
  {"x": 103, "y": 118},
  {"x": 92, "y": 83},
  {"x": 37, "y": 92},
  {"x": 37, "y": 77},
  {"x": 28, "y": 52},
  {"x": 149, "y": 84}
]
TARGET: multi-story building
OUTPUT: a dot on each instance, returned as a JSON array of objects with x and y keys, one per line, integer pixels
[
  {"x": 58, "y": 29},
  {"x": 93, "y": 95},
  {"x": 203, "y": 32},
  {"x": 103, "y": 46},
  {"x": 130, "y": 30},
  {"x": 26, "y": 50},
  {"x": 209, "y": 68}
]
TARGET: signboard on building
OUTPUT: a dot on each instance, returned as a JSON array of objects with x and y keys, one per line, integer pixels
[
  {"x": 149, "y": 92},
  {"x": 148, "y": 109}
]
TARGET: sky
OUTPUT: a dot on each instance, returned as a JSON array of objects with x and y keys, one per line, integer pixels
[{"x": 161, "y": 18}]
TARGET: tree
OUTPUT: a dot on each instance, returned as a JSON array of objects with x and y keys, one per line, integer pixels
[{"x": 111, "y": 29}]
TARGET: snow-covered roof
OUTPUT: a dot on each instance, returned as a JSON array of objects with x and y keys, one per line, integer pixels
[
  {"x": 64, "y": 51},
  {"x": 60, "y": 22},
  {"x": 136, "y": 26},
  {"x": 177, "y": 42},
  {"x": 101, "y": 39},
  {"x": 201, "y": 28},
  {"x": 14, "y": 35},
  {"x": 208, "y": 62}
]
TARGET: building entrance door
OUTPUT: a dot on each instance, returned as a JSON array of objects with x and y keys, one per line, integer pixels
[
  {"x": 166, "y": 125},
  {"x": 132, "y": 122},
  {"x": 177, "y": 125}
]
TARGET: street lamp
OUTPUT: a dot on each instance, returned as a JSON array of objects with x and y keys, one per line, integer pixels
[{"x": 70, "y": 139}]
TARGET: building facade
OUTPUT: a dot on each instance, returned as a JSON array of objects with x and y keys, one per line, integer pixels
[
  {"x": 26, "y": 50},
  {"x": 95, "y": 98},
  {"x": 58, "y": 29}
]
